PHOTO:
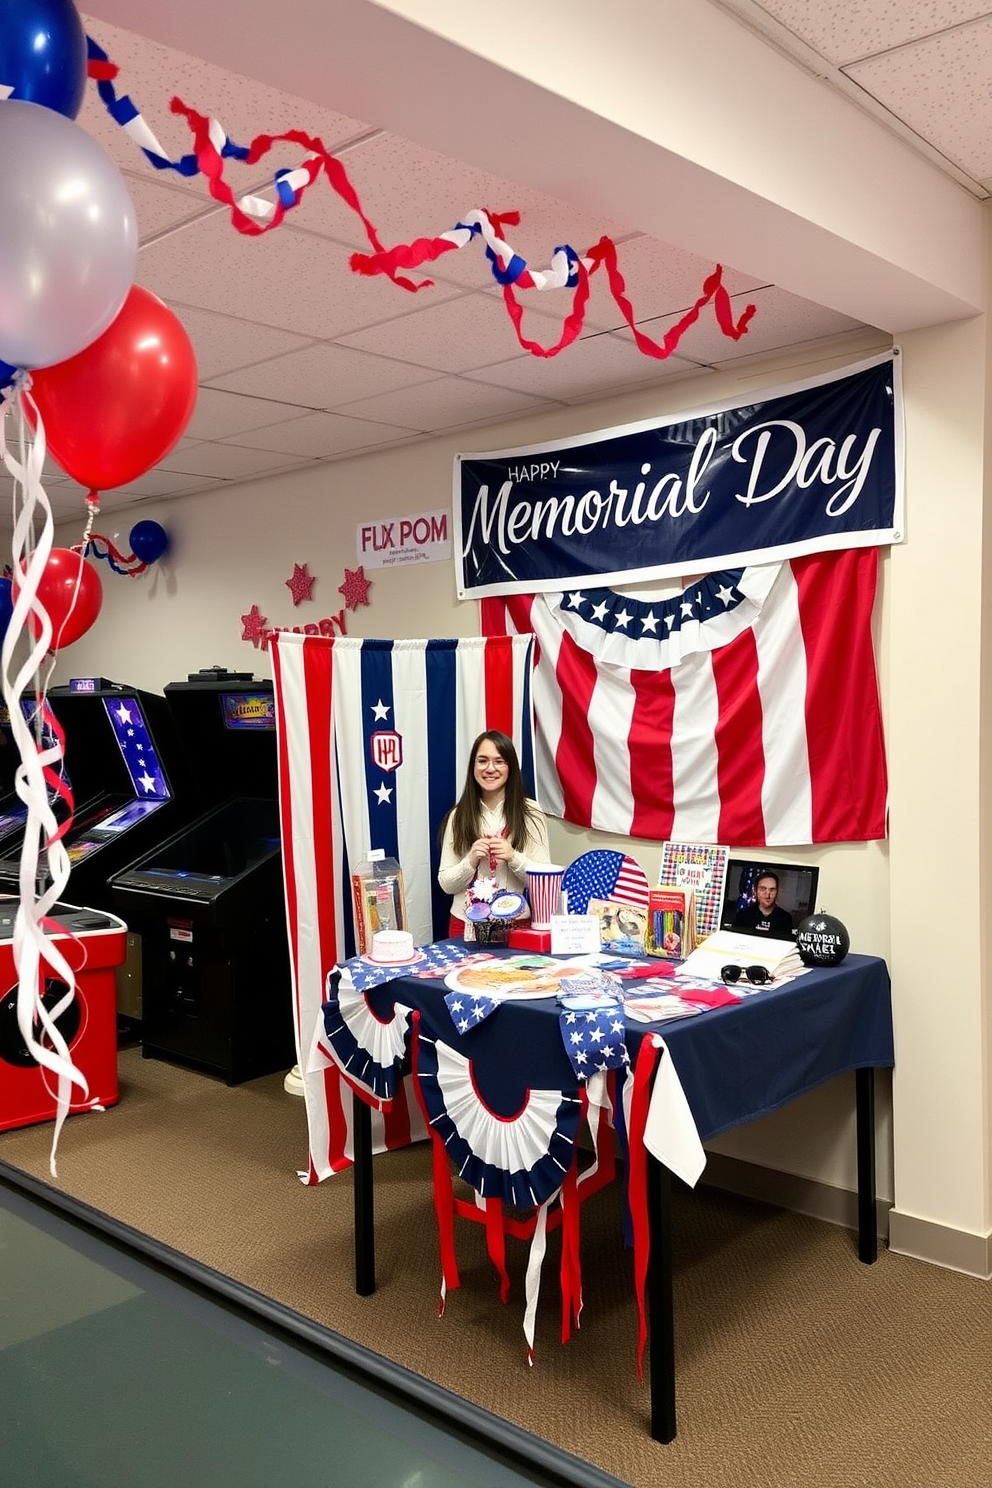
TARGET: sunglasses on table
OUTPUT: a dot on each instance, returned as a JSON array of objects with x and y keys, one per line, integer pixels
[{"x": 758, "y": 976}]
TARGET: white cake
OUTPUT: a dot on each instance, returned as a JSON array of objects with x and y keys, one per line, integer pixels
[{"x": 392, "y": 946}]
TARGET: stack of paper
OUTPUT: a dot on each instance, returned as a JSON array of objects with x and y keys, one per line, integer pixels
[{"x": 780, "y": 958}]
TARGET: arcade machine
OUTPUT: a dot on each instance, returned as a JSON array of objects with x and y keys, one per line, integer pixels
[
  {"x": 13, "y": 811},
  {"x": 131, "y": 788},
  {"x": 210, "y": 902},
  {"x": 94, "y": 945}
]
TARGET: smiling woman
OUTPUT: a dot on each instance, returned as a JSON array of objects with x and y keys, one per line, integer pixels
[{"x": 493, "y": 832}]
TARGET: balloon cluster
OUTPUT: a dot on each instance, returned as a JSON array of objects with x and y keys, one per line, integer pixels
[
  {"x": 102, "y": 371},
  {"x": 102, "y": 374}
]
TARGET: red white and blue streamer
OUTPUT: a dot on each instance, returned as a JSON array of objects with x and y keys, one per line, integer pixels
[{"x": 252, "y": 215}]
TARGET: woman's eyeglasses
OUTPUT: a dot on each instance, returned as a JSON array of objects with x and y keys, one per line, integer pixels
[{"x": 758, "y": 976}]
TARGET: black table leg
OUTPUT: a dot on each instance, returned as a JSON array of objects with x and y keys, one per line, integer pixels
[
  {"x": 364, "y": 1198},
  {"x": 661, "y": 1311},
  {"x": 864, "y": 1088}
]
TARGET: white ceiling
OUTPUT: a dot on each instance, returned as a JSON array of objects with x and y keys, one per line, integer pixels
[{"x": 300, "y": 361}]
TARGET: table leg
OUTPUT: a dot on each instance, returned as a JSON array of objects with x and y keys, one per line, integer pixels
[
  {"x": 661, "y": 1311},
  {"x": 364, "y": 1197},
  {"x": 864, "y": 1088}
]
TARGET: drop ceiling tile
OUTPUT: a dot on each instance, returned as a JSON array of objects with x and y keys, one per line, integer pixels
[
  {"x": 940, "y": 88},
  {"x": 159, "y": 483},
  {"x": 292, "y": 280},
  {"x": 160, "y": 207},
  {"x": 780, "y": 319},
  {"x": 589, "y": 368},
  {"x": 450, "y": 336},
  {"x": 227, "y": 461},
  {"x": 841, "y": 31},
  {"x": 219, "y": 415},
  {"x": 443, "y": 404},
  {"x": 223, "y": 344},
  {"x": 322, "y": 376},
  {"x": 321, "y": 436}
]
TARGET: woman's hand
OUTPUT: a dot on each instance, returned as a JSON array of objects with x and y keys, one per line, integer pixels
[
  {"x": 478, "y": 851},
  {"x": 500, "y": 849}
]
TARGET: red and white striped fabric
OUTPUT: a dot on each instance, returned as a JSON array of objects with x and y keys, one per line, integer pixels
[
  {"x": 754, "y": 720},
  {"x": 335, "y": 697}
]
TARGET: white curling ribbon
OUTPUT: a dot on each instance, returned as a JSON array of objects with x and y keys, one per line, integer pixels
[
  {"x": 34, "y": 951},
  {"x": 532, "y": 1278}
]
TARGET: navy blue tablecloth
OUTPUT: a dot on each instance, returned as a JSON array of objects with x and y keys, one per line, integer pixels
[{"x": 735, "y": 1063}]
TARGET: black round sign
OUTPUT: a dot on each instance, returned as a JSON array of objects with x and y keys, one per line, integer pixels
[
  {"x": 13, "y": 1049},
  {"x": 823, "y": 940}
]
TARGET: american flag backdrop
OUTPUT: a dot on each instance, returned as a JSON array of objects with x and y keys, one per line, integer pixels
[
  {"x": 743, "y": 709},
  {"x": 373, "y": 739}
]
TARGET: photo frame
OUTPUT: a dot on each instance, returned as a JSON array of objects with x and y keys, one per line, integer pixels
[{"x": 796, "y": 895}]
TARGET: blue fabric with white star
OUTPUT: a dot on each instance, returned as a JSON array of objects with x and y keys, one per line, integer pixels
[
  {"x": 467, "y": 1012},
  {"x": 594, "y": 1039},
  {"x": 716, "y": 594},
  {"x": 437, "y": 960}
]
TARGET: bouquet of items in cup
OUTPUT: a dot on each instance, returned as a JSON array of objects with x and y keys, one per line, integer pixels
[
  {"x": 492, "y": 912},
  {"x": 378, "y": 898}
]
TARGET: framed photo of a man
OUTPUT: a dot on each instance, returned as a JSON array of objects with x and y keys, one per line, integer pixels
[{"x": 768, "y": 899}]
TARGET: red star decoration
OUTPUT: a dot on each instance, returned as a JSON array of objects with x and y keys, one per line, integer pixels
[
  {"x": 253, "y": 624},
  {"x": 355, "y": 588},
  {"x": 300, "y": 584}
]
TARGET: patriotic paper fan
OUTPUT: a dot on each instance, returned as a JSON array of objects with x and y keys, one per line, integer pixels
[
  {"x": 521, "y": 1159},
  {"x": 604, "y": 875},
  {"x": 368, "y": 1048}
]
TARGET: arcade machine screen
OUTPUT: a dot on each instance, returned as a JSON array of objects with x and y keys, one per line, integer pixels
[
  {"x": 210, "y": 900},
  {"x": 13, "y": 811},
  {"x": 113, "y": 733}
]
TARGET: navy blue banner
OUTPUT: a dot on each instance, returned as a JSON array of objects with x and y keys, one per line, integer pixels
[{"x": 812, "y": 467}]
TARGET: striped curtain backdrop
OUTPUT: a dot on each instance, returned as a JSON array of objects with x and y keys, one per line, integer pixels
[{"x": 373, "y": 740}]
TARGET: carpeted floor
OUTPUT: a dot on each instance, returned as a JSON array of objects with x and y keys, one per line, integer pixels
[{"x": 796, "y": 1365}]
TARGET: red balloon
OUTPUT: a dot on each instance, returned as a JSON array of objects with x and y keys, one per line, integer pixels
[
  {"x": 71, "y": 592},
  {"x": 116, "y": 408}
]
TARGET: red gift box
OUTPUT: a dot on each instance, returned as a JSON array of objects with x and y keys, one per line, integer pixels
[{"x": 530, "y": 940}]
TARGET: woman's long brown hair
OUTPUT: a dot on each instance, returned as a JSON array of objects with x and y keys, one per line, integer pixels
[{"x": 466, "y": 815}]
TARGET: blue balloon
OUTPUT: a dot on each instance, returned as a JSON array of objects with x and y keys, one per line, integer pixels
[
  {"x": 7, "y": 374},
  {"x": 148, "y": 541},
  {"x": 43, "y": 53},
  {"x": 6, "y": 606}
]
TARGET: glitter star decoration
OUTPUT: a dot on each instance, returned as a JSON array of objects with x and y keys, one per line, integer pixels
[
  {"x": 300, "y": 584},
  {"x": 253, "y": 625},
  {"x": 355, "y": 588}
]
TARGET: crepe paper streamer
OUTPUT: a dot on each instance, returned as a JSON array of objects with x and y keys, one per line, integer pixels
[
  {"x": 568, "y": 270},
  {"x": 96, "y": 546},
  {"x": 253, "y": 215},
  {"x": 41, "y": 753}
]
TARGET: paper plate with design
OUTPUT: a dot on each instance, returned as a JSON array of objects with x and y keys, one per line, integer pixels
[
  {"x": 604, "y": 875},
  {"x": 512, "y": 977}
]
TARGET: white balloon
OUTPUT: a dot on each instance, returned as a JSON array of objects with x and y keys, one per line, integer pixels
[{"x": 68, "y": 237}]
